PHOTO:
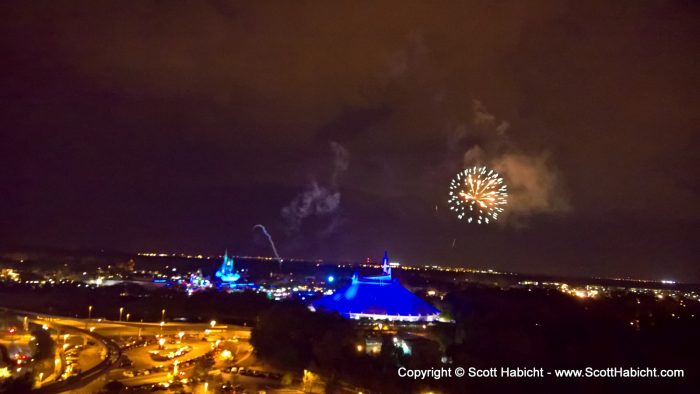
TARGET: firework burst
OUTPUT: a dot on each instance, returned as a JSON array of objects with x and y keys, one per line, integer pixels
[{"x": 478, "y": 194}]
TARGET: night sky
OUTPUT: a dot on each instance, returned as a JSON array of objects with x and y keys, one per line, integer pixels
[{"x": 177, "y": 126}]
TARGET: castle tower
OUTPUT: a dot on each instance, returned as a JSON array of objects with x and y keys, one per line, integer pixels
[
  {"x": 386, "y": 268},
  {"x": 226, "y": 272}
]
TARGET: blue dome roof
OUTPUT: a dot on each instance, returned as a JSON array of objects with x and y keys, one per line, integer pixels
[{"x": 379, "y": 297}]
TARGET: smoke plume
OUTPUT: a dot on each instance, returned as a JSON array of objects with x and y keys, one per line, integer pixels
[
  {"x": 318, "y": 199},
  {"x": 533, "y": 182}
]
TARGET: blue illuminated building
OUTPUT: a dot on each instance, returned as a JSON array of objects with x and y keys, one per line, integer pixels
[
  {"x": 379, "y": 297},
  {"x": 226, "y": 272}
]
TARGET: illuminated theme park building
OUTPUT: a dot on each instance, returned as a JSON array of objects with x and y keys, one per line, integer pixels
[
  {"x": 226, "y": 273},
  {"x": 377, "y": 297}
]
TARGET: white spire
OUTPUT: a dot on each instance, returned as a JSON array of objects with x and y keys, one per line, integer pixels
[{"x": 386, "y": 268}]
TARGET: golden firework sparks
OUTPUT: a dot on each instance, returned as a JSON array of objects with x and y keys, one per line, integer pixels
[{"x": 477, "y": 194}]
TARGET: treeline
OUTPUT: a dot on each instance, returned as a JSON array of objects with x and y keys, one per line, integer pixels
[
  {"x": 140, "y": 303},
  {"x": 496, "y": 328},
  {"x": 291, "y": 337}
]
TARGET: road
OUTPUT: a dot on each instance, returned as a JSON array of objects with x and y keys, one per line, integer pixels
[
  {"x": 101, "y": 367},
  {"x": 111, "y": 355}
]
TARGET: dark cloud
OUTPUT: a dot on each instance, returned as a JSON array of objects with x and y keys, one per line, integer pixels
[{"x": 179, "y": 125}]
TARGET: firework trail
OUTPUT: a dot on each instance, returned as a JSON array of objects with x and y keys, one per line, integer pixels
[{"x": 269, "y": 238}]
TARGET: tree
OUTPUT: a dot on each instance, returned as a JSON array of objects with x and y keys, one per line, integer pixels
[
  {"x": 202, "y": 367},
  {"x": 43, "y": 345},
  {"x": 114, "y": 387},
  {"x": 292, "y": 337},
  {"x": 19, "y": 385}
]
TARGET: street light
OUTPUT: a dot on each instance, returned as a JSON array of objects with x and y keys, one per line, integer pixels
[
  {"x": 162, "y": 315},
  {"x": 89, "y": 314},
  {"x": 212, "y": 323},
  {"x": 121, "y": 310},
  {"x": 181, "y": 334},
  {"x": 308, "y": 380},
  {"x": 127, "y": 316}
]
